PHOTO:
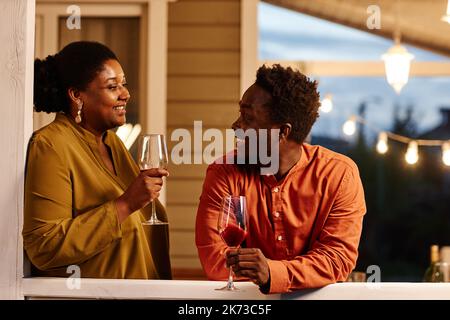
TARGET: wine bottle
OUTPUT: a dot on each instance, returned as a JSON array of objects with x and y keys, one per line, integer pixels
[{"x": 434, "y": 272}]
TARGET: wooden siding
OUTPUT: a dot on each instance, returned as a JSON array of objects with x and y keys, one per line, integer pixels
[{"x": 203, "y": 84}]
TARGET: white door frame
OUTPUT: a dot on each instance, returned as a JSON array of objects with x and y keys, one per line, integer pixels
[
  {"x": 16, "y": 89},
  {"x": 47, "y": 32},
  {"x": 154, "y": 25}
]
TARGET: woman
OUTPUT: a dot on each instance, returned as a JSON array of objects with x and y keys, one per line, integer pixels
[{"x": 85, "y": 198}]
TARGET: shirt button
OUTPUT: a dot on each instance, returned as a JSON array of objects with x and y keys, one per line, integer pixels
[
  {"x": 276, "y": 189},
  {"x": 279, "y": 238},
  {"x": 276, "y": 214}
]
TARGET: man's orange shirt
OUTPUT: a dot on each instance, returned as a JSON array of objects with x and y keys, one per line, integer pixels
[{"x": 307, "y": 225}]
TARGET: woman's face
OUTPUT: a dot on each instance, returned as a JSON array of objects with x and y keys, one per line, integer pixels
[{"x": 105, "y": 99}]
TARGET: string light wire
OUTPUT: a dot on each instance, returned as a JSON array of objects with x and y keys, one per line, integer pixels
[{"x": 406, "y": 140}]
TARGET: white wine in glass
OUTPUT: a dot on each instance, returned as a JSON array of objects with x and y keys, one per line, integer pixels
[{"x": 153, "y": 154}]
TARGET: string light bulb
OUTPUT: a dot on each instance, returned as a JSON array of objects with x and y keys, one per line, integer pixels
[
  {"x": 446, "y": 17},
  {"x": 412, "y": 153},
  {"x": 446, "y": 153},
  {"x": 327, "y": 104},
  {"x": 349, "y": 126},
  {"x": 382, "y": 146}
]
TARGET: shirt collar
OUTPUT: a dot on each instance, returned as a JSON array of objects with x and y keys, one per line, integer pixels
[
  {"x": 300, "y": 164},
  {"x": 84, "y": 134}
]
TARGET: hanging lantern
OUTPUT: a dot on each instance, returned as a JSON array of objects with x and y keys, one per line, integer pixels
[
  {"x": 327, "y": 104},
  {"x": 397, "y": 61},
  {"x": 382, "y": 146},
  {"x": 446, "y": 18},
  {"x": 412, "y": 154}
]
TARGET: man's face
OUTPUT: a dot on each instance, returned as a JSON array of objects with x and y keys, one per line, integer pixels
[
  {"x": 254, "y": 117},
  {"x": 253, "y": 114}
]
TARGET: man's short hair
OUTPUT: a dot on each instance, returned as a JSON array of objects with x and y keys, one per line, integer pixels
[{"x": 295, "y": 98}]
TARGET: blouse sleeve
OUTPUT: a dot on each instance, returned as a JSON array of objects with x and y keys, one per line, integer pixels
[{"x": 52, "y": 236}]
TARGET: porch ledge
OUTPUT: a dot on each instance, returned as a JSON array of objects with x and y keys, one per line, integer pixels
[{"x": 55, "y": 288}]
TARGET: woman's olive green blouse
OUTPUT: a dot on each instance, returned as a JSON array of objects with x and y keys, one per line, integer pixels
[{"x": 70, "y": 215}]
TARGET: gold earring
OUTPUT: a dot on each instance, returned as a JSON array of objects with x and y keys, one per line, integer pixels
[{"x": 78, "y": 117}]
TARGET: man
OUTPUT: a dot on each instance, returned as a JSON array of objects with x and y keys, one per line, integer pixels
[{"x": 305, "y": 220}]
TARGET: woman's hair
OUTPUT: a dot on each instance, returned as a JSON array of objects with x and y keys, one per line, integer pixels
[
  {"x": 75, "y": 66},
  {"x": 295, "y": 98}
]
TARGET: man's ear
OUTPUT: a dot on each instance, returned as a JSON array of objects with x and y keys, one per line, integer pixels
[{"x": 285, "y": 130}]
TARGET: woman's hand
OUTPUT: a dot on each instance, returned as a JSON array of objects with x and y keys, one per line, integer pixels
[{"x": 144, "y": 189}]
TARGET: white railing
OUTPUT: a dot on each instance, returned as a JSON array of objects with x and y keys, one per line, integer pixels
[{"x": 54, "y": 288}]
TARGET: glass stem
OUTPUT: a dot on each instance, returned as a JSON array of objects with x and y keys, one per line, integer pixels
[
  {"x": 230, "y": 284},
  {"x": 153, "y": 217}
]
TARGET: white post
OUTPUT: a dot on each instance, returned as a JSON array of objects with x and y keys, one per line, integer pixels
[
  {"x": 16, "y": 90},
  {"x": 156, "y": 111},
  {"x": 249, "y": 43},
  {"x": 157, "y": 66}
]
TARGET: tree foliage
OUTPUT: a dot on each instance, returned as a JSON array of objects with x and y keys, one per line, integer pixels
[{"x": 408, "y": 207}]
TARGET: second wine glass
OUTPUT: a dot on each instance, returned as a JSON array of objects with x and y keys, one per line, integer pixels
[{"x": 152, "y": 154}]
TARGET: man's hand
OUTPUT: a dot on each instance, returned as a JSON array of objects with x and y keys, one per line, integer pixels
[{"x": 249, "y": 263}]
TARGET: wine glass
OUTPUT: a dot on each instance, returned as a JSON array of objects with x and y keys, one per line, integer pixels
[
  {"x": 232, "y": 226},
  {"x": 438, "y": 272},
  {"x": 152, "y": 154}
]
